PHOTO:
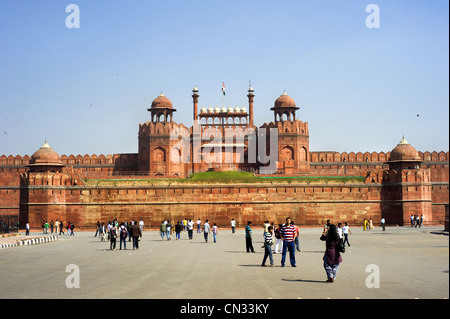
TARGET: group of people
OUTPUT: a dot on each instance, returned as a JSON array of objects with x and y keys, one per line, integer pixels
[
  {"x": 131, "y": 230},
  {"x": 287, "y": 239},
  {"x": 368, "y": 224},
  {"x": 167, "y": 228},
  {"x": 416, "y": 221},
  {"x": 287, "y": 236},
  {"x": 58, "y": 226}
]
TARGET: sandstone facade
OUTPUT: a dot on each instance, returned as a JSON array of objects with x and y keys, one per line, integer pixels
[{"x": 395, "y": 184}]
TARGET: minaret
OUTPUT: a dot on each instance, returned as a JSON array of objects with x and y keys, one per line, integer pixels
[
  {"x": 195, "y": 97},
  {"x": 250, "y": 105}
]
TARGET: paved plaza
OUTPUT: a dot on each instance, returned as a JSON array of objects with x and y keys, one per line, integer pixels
[{"x": 408, "y": 262}]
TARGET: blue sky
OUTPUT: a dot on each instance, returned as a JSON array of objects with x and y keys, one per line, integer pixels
[{"x": 86, "y": 90}]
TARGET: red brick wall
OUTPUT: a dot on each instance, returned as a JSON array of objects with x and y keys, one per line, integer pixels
[
  {"x": 305, "y": 204},
  {"x": 10, "y": 190}
]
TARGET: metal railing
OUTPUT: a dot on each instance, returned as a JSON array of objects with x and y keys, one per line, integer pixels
[{"x": 9, "y": 224}]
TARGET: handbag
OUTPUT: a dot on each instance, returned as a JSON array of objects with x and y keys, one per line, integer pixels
[{"x": 340, "y": 247}]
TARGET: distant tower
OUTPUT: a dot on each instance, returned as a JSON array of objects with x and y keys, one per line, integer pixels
[
  {"x": 406, "y": 186},
  {"x": 45, "y": 159},
  {"x": 41, "y": 187},
  {"x": 195, "y": 97},
  {"x": 154, "y": 139},
  {"x": 250, "y": 105},
  {"x": 284, "y": 105},
  {"x": 293, "y": 137},
  {"x": 161, "y": 107}
]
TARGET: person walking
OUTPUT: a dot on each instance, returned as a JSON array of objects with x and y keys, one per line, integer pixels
[
  {"x": 27, "y": 229},
  {"x": 279, "y": 243},
  {"x": 346, "y": 230},
  {"x": 98, "y": 228},
  {"x": 61, "y": 227},
  {"x": 297, "y": 233},
  {"x": 332, "y": 257},
  {"x": 177, "y": 230},
  {"x": 190, "y": 228},
  {"x": 214, "y": 231},
  {"x": 169, "y": 229},
  {"x": 103, "y": 232},
  {"x": 417, "y": 224},
  {"x": 265, "y": 227},
  {"x": 72, "y": 227},
  {"x": 233, "y": 226},
  {"x": 123, "y": 233},
  {"x": 198, "y": 226},
  {"x": 112, "y": 237},
  {"x": 383, "y": 223},
  {"x": 206, "y": 230},
  {"x": 340, "y": 232},
  {"x": 129, "y": 229},
  {"x": 136, "y": 234},
  {"x": 370, "y": 224},
  {"x": 365, "y": 224},
  {"x": 248, "y": 237},
  {"x": 56, "y": 226},
  {"x": 288, "y": 237},
  {"x": 268, "y": 242},
  {"x": 162, "y": 230}
]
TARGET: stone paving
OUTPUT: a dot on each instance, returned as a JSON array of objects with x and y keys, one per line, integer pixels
[{"x": 406, "y": 262}]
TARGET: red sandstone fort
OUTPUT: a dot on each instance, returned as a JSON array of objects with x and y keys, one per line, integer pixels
[{"x": 153, "y": 184}]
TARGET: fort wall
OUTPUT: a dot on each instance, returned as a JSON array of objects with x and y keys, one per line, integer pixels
[
  {"x": 64, "y": 196},
  {"x": 60, "y": 196}
]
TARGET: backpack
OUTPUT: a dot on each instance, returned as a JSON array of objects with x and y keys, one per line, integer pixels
[
  {"x": 113, "y": 233},
  {"x": 278, "y": 233},
  {"x": 123, "y": 232}
]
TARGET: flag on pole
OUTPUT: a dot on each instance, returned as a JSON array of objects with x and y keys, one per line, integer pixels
[{"x": 223, "y": 88}]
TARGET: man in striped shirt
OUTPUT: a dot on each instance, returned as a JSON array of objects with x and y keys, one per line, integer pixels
[{"x": 288, "y": 235}]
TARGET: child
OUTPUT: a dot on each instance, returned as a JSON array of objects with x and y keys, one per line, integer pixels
[{"x": 215, "y": 229}]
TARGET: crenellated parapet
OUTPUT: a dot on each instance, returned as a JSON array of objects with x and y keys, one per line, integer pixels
[
  {"x": 297, "y": 126},
  {"x": 359, "y": 157},
  {"x": 413, "y": 176}
]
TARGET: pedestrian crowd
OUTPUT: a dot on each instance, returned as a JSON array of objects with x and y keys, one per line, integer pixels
[
  {"x": 53, "y": 227},
  {"x": 123, "y": 230},
  {"x": 167, "y": 228},
  {"x": 285, "y": 237},
  {"x": 416, "y": 221}
]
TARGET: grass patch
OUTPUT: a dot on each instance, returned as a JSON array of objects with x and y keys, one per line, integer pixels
[
  {"x": 223, "y": 177},
  {"x": 229, "y": 177}
]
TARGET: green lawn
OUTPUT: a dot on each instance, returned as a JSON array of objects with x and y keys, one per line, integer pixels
[{"x": 227, "y": 178}]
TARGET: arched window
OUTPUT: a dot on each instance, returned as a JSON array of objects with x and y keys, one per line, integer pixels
[
  {"x": 287, "y": 153},
  {"x": 159, "y": 154}
]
